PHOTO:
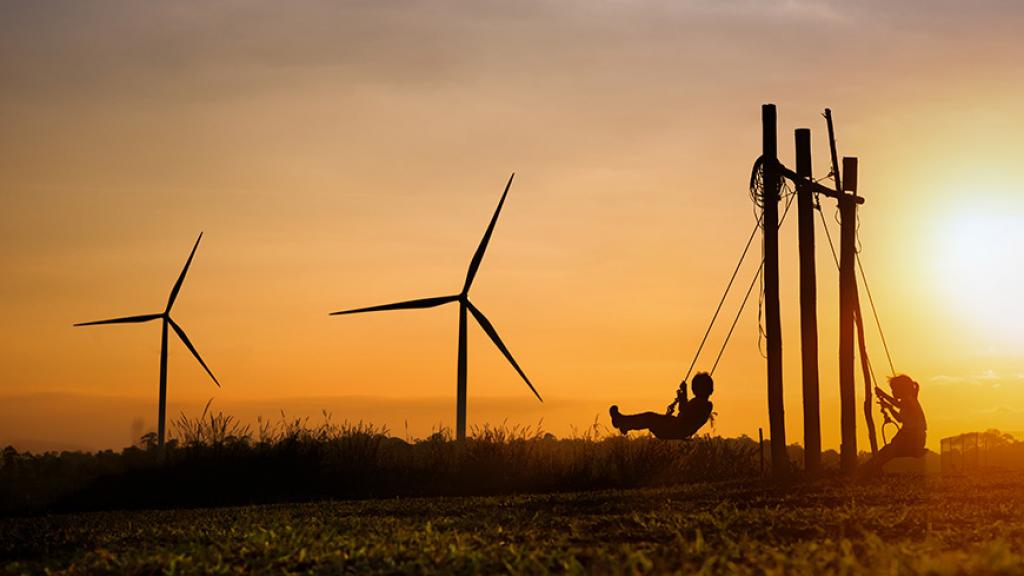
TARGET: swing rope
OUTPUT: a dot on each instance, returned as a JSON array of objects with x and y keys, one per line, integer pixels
[
  {"x": 760, "y": 270},
  {"x": 790, "y": 195},
  {"x": 888, "y": 420},
  {"x": 874, "y": 312},
  {"x": 867, "y": 289},
  {"x": 755, "y": 183},
  {"x": 721, "y": 301}
]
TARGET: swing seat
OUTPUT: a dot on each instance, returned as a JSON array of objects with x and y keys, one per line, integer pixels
[
  {"x": 914, "y": 464},
  {"x": 917, "y": 453},
  {"x": 676, "y": 429},
  {"x": 679, "y": 435}
]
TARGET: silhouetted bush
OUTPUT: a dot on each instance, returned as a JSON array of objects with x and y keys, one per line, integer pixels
[{"x": 214, "y": 460}]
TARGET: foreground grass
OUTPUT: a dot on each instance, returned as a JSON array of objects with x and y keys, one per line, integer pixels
[
  {"x": 295, "y": 462},
  {"x": 896, "y": 526}
]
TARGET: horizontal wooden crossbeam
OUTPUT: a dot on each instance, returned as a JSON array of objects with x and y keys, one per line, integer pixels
[{"x": 823, "y": 190}]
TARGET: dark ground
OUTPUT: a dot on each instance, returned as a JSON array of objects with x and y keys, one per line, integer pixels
[{"x": 899, "y": 525}]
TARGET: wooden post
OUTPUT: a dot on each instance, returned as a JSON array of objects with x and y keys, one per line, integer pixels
[
  {"x": 850, "y": 185},
  {"x": 773, "y": 322},
  {"x": 847, "y": 307},
  {"x": 760, "y": 448},
  {"x": 808, "y": 307}
]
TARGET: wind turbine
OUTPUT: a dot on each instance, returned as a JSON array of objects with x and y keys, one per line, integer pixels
[
  {"x": 167, "y": 321},
  {"x": 464, "y": 306}
]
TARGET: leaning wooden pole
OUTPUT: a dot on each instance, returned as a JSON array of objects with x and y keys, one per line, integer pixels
[
  {"x": 847, "y": 295},
  {"x": 850, "y": 173},
  {"x": 773, "y": 322},
  {"x": 808, "y": 306},
  {"x": 865, "y": 367}
]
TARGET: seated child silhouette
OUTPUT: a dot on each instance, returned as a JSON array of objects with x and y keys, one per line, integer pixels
[
  {"x": 693, "y": 413},
  {"x": 904, "y": 407}
]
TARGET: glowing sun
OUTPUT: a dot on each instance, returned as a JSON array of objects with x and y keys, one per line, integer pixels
[{"x": 980, "y": 266}]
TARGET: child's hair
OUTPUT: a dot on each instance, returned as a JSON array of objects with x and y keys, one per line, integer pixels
[
  {"x": 702, "y": 384},
  {"x": 903, "y": 385}
]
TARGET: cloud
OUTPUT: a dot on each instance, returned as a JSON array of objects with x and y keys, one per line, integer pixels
[
  {"x": 990, "y": 377},
  {"x": 1000, "y": 411}
]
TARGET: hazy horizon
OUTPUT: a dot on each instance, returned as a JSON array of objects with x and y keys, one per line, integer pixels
[{"x": 97, "y": 422}]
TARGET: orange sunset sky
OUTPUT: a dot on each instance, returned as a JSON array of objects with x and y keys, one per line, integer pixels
[{"x": 345, "y": 154}]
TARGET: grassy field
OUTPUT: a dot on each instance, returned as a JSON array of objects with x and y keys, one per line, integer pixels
[
  {"x": 300, "y": 463},
  {"x": 898, "y": 525}
]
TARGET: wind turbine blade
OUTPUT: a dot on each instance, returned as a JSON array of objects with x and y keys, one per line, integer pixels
[
  {"x": 192, "y": 349},
  {"x": 474, "y": 264},
  {"x": 124, "y": 320},
  {"x": 181, "y": 278},
  {"x": 489, "y": 328},
  {"x": 409, "y": 304}
]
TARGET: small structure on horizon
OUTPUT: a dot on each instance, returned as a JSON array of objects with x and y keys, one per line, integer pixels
[{"x": 974, "y": 451}]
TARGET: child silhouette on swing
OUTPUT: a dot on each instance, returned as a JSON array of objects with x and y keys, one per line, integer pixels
[
  {"x": 693, "y": 413},
  {"x": 904, "y": 407}
]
